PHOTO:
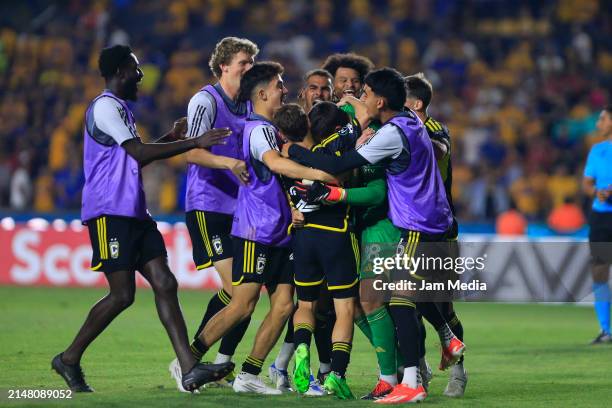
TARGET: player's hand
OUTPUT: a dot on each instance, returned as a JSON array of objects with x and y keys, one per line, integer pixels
[
  {"x": 317, "y": 191},
  {"x": 285, "y": 149},
  {"x": 603, "y": 194},
  {"x": 238, "y": 167},
  {"x": 365, "y": 136},
  {"x": 212, "y": 137},
  {"x": 297, "y": 218},
  {"x": 179, "y": 130},
  {"x": 361, "y": 110}
]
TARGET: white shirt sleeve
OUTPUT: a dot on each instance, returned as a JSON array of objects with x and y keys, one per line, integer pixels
[
  {"x": 111, "y": 118},
  {"x": 263, "y": 139},
  {"x": 386, "y": 143},
  {"x": 200, "y": 113}
]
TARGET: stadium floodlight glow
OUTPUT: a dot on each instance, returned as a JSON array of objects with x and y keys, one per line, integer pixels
[
  {"x": 59, "y": 224},
  {"x": 38, "y": 224},
  {"x": 7, "y": 223}
]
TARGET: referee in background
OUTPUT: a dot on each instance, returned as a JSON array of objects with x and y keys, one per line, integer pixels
[{"x": 597, "y": 184}]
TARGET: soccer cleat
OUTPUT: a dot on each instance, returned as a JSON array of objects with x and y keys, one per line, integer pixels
[
  {"x": 426, "y": 374},
  {"x": 177, "y": 375},
  {"x": 602, "y": 338},
  {"x": 201, "y": 374},
  {"x": 402, "y": 394},
  {"x": 382, "y": 388},
  {"x": 322, "y": 376},
  {"x": 314, "y": 388},
  {"x": 301, "y": 373},
  {"x": 225, "y": 382},
  {"x": 72, "y": 374},
  {"x": 456, "y": 382},
  {"x": 451, "y": 353},
  {"x": 246, "y": 382},
  {"x": 336, "y": 385},
  {"x": 280, "y": 378}
]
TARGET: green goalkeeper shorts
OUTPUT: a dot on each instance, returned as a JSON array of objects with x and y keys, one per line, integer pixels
[{"x": 379, "y": 240}]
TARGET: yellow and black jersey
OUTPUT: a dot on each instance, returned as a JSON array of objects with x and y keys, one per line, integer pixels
[
  {"x": 317, "y": 215},
  {"x": 438, "y": 132}
]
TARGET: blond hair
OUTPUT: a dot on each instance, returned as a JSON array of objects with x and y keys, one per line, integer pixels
[{"x": 226, "y": 49}]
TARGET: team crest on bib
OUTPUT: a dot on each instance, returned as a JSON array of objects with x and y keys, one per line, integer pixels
[
  {"x": 114, "y": 248},
  {"x": 261, "y": 264},
  {"x": 217, "y": 245}
]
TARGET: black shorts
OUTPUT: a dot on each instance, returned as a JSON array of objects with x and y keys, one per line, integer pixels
[
  {"x": 123, "y": 243},
  {"x": 210, "y": 236},
  {"x": 433, "y": 250},
  {"x": 325, "y": 256},
  {"x": 600, "y": 237},
  {"x": 262, "y": 264}
]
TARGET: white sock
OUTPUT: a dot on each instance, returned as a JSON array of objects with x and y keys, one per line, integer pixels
[
  {"x": 324, "y": 367},
  {"x": 222, "y": 358},
  {"x": 284, "y": 355},
  {"x": 391, "y": 379},
  {"x": 410, "y": 377},
  {"x": 445, "y": 334}
]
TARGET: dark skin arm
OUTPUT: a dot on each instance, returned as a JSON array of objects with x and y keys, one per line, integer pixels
[
  {"x": 145, "y": 153},
  {"x": 331, "y": 164}
]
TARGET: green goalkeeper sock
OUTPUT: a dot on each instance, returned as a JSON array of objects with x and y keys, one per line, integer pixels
[
  {"x": 362, "y": 323},
  {"x": 383, "y": 339}
]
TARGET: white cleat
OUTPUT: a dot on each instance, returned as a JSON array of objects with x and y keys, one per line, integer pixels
[
  {"x": 457, "y": 382},
  {"x": 280, "y": 378},
  {"x": 177, "y": 374},
  {"x": 246, "y": 382},
  {"x": 314, "y": 388}
]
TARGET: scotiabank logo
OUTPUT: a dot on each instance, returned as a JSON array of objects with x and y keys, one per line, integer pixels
[{"x": 63, "y": 258}]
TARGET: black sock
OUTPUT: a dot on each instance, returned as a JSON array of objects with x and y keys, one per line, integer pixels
[
  {"x": 422, "y": 337},
  {"x": 433, "y": 315},
  {"x": 252, "y": 365},
  {"x": 322, "y": 335},
  {"x": 302, "y": 334},
  {"x": 341, "y": 355},
  {"x": 216, "y": 303},
  {"x": 198, "y": 349},
  {"x": 289, "y": 332},
  {"x": 404, "y": 315},
  {"x": 230, "y": 341}
]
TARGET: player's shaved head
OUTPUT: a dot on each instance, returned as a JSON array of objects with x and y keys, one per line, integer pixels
[{"x": 260, "y": 75}]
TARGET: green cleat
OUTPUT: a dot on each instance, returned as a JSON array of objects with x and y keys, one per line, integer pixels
[
  {"x": 337, "y": 386},
  {"x": 301, "y": 374}
]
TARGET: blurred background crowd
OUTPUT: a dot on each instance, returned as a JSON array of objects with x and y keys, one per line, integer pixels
[{"x": 519, "y": 83}]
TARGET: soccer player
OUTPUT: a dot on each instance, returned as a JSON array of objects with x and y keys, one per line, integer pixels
[
  {"x": 597, "y": 184},
  {"x": 419, "y": 95},
  {"x": 260, "y": 224},
  {"x": 417, "y": 201},
  {"x": 349, "y": 71},
  {"x": 317, "y": 88},
  {"x": 333, "y": 263},
  {"x": 124, "y": 237},
  {"x": 213, "y": 178}
]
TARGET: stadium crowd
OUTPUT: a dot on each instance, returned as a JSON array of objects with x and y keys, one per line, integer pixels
[{"x": 522, "y": 116}]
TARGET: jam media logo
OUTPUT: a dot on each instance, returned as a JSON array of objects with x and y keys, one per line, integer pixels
[
  {"x": 261, "y": 264},
  {"x": 217, "y": 245},
  {"x": 114, "y": 248}
]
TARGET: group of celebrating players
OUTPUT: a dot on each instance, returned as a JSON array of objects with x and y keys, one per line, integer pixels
[{"x": 284, "y": 196}]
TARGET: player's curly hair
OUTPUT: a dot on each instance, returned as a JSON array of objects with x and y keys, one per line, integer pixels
[
  {"x": 351, "y": 60},
  {"x": 261, "y": 73},
  {"x": 225, "y": 51}
]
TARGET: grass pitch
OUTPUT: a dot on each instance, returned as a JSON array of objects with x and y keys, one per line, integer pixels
[{"x": 518, "y": 355}]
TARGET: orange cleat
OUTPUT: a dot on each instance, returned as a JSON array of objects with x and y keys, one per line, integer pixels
[
  {"x": 451, "y": 354},
  {"x": 403, "y": 394},
  {"x": 382, "y": 388}
]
